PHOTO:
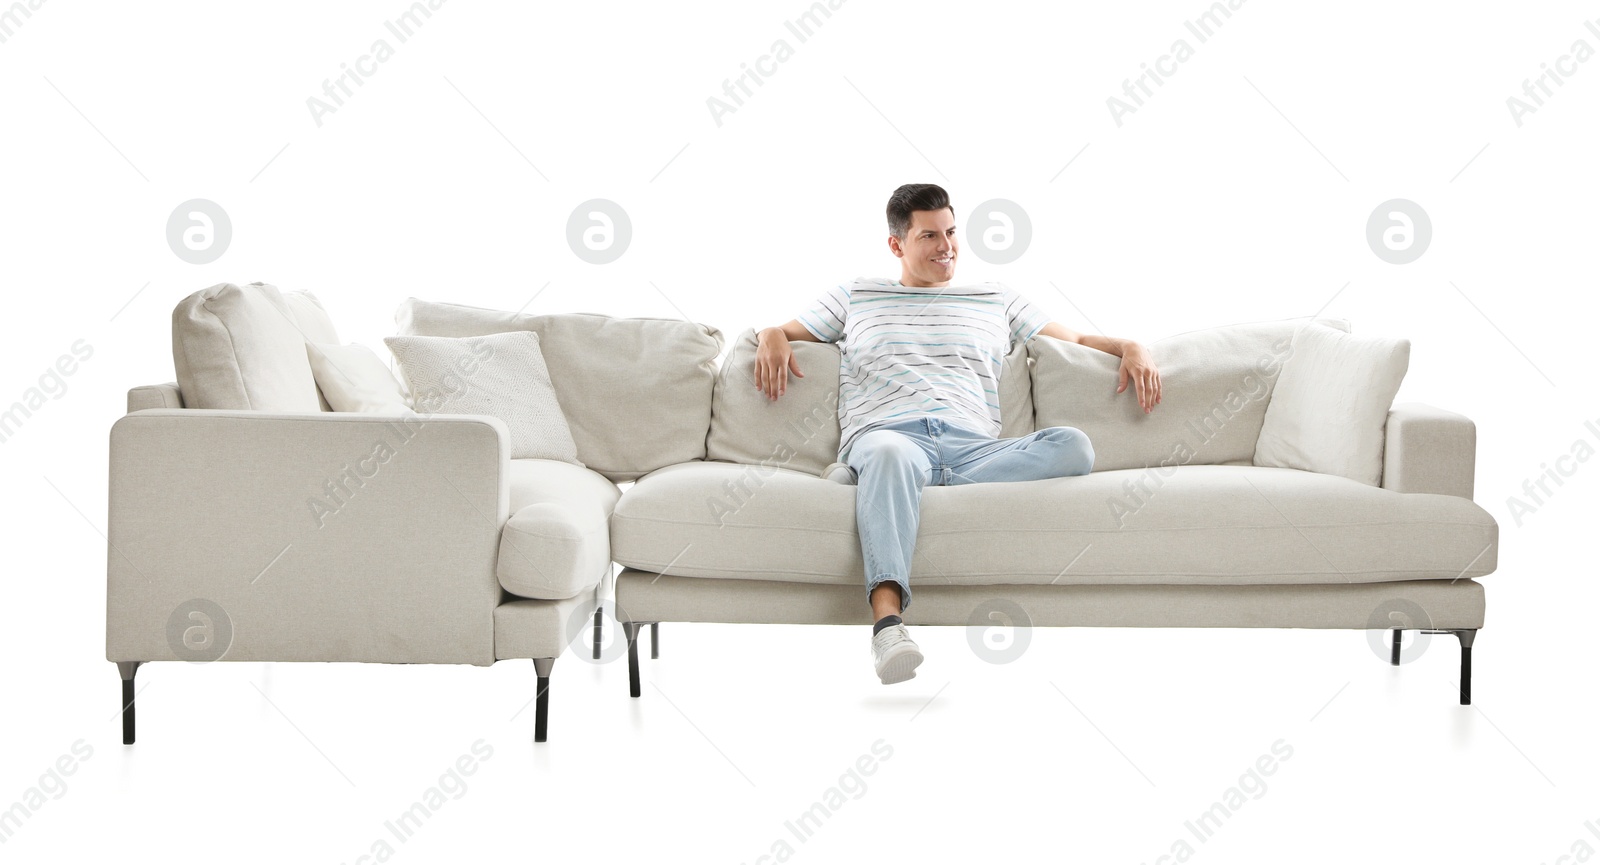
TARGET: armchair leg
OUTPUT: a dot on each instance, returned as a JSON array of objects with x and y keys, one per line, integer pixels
[
  {"x": 631, "y": 630},
  {"x": 655, "y": 640},
  {"x": 127, "y": 669},
  {"x": 541, "y": 717},
  {"x": 1394, "y": 650},
  {"x": 597, "y": 631}
]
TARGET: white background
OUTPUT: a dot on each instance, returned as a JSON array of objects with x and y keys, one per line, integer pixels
[{"x": 1239, "y": 192}]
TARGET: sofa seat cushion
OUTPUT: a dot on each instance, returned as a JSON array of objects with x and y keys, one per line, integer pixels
[
  {"x": 556, "y": 543},
  {"x": 1197, "y": 525}
]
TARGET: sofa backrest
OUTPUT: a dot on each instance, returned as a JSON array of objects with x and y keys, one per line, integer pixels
[
  {"x": 800, "y": 430},
  {"x": 636, "y": 392},
  {"x": 244, "y": 347},
  {"x": 1215, "y": 386}
]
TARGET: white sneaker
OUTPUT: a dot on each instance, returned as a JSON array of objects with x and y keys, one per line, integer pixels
[
  {"x": 895, "y": 655},
  {"x": 840, "y": 473}
]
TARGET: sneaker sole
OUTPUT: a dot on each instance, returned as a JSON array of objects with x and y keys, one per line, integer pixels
[{"x": 900, "y": 668}]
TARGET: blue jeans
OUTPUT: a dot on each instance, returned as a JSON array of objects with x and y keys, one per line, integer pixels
[{"x": 893, "y": 462}]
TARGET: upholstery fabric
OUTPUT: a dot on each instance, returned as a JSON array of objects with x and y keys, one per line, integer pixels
[
  {"x": 1429, "y": 450},
  {"x": 323, "y": 537},
  {"x": 1198, "y": 525},
  {"x": 647, "y": 597},
  {"x": 1328, "y": 411},
  {"x": 636, "y": 391},
  {"x": 1216, "y": 384}
]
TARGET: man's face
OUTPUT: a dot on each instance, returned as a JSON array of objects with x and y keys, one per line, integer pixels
[{"x": 928, "y": 254}]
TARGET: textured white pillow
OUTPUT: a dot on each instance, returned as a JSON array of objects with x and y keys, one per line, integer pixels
[
  {"x": 354, "y": 379},
  {"x": 1332, "y": 399},
  {"x": 502, "y": 375}
]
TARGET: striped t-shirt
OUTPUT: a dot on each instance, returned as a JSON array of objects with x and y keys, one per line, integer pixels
[{"x": 920, "y": 352}]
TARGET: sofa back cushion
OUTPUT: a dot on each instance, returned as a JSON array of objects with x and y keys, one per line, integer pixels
[
  {"x": 1215, "y": 386},
  {"x": 244, "y": 347},
  {"x": 800, "y": 430},
  {"x": 636, "y": 392}
]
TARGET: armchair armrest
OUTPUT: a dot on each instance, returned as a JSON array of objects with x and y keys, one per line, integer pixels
[
  {"x": 320, "y": 536},
  {"x": 1429, "y": 450}
]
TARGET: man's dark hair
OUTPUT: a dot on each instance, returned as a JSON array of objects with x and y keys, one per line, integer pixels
[{"x": 914, "y": 196}]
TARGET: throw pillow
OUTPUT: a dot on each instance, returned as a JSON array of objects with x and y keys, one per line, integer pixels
[
  {"x": 1329, "y": 408},
  {"x": 354, "y": 379},
  {"x": 502, "y": 375}
]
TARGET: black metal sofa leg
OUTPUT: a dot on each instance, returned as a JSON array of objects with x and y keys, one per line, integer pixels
[
  {"x": 631, "y": 631},
  {"x": 541, "y": 710},
  {"x": 1466, "y": 665},
  {"x": 597, "y": 631},
  {"x": 1394, "y": 650},
  {"x": 127, "y": 669},
  {"x": 655, "y": 640}
]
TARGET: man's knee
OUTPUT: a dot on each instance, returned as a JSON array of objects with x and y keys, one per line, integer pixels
[
  {"x": 1074, "y": 452},
  {"x": 882, "y": 450}
]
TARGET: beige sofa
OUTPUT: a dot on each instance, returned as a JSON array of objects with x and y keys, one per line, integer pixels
[
  {"x": 1175, "y": 527},
  {"x": 249, "y": 523},
  {"x": 427, "y": 543}
]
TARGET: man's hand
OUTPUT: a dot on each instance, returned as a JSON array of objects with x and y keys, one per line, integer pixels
[
  {"x": 1137, "y": 366},
  {"x": 774, "y": 361}
]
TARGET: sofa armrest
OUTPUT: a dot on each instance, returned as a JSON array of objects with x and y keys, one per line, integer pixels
[
  {"x": 154, "y": 396},
  {"x": 320, "y": 536},
  {"x": 1429, "y": 450}
]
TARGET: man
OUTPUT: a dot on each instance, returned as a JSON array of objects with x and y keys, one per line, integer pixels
[{"x": 919, "y": 396}]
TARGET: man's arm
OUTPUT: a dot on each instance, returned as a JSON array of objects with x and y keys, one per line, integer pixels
[
  {"x": 1136, "y": 362},
  {"x": 775, "y": 359}
]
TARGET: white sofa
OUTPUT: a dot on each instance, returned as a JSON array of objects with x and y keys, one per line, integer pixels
[
  {"x": 429, "y": 544},
  {"x": 249, "y": 523},
  {"x": 1175, "y": 527}
]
